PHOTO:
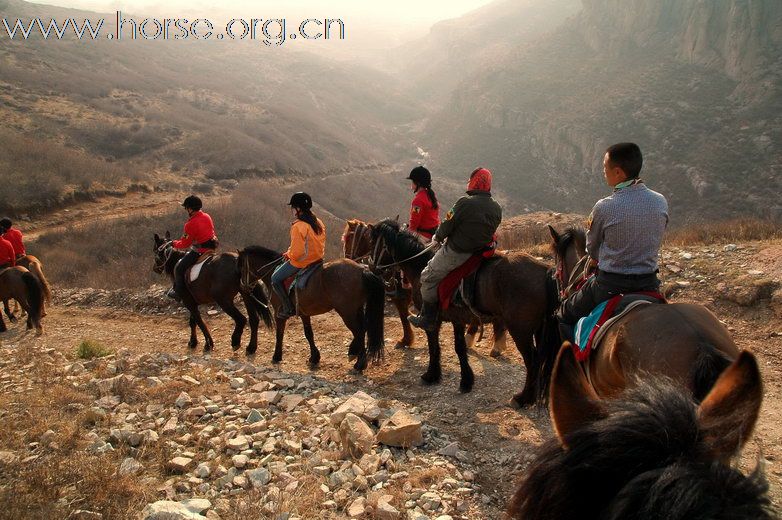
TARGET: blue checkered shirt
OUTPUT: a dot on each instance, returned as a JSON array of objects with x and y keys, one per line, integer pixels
[{"x": 626, "y": 230}]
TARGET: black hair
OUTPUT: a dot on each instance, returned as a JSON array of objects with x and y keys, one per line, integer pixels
[
  {"x": 628, "y": 157},
  {"x": 309, "y": 217},
  {"x": 432, "y": 196}
]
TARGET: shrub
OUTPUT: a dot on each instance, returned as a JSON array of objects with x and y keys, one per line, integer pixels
[{"x": 90, "y": 349}]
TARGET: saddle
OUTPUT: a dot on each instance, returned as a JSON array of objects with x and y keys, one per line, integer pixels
[
  {"x": 590, "y": 330},
  {"x": 300, "y": 279},
  {"x": 458, "y": 288},
  {"x": 192, "y": 273}
]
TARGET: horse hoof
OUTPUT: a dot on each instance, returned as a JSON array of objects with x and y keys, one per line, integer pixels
[
  {"x": 465, "y": 387},
  {"x": 401, "y": 345},
  {"x": 192, "y": 344},
  {"x": 520, "y": 401},
  {"x": 250, "y": 351},
  {"x": 277, "y": 360},
  {"x": 495, "y": 354},
  {"x": 235, "y": 347},
  {"x": 430, "y": 379}
]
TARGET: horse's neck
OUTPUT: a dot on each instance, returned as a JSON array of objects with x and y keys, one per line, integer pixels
[{"x": 176, "y": 256}]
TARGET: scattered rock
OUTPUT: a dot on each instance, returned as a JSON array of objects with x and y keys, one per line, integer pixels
[
  {"x": 401, "y": 430},
  {"x": 361, "y": 404},
  {"x": 130, "y": 466},
  {"x": 168, "y": 510},
  {"x": 180, "y": 464},
  {"x": 385, "y": 511},
  {"x": 356, "y": 437}
]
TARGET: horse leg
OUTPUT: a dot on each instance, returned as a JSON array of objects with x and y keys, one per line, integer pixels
[
  {"x": 403, "y": 308},
  {"x": 523, "y": 339},
  {"x": 433, "y": 374},
  {"x": 499, "y": 338},
  {"x": 195, "y": 314},
  {"x": 460, "y": 345},
  {"x": 239, "y": 321},
  {"x": 193, "y": 343},
  {"x": 11, "y": 315},
  {"x": 471, "y": 337},
  {"x": 277, "y": 358},
  {"x": 252, "y": 346},
  {"x": 306, "y": 322},
  {"x": 358, "y": 345},
  {"x": 3, "y": 328}
]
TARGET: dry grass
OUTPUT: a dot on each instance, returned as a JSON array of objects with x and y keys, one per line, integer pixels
[
  {"x": 90, "y": 349},
  {"x": 735, "y": 230}
]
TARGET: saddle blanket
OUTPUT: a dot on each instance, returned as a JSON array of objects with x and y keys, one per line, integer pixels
[
  {"x": 591, "y": 329},
  {"x": 300, "y": 279},
  {"x": 196, "y": 270}
]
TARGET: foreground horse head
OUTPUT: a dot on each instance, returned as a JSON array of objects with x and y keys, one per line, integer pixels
[{"x": 651, "y": 454}]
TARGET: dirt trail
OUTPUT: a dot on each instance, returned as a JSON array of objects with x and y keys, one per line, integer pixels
[{"x": 498, "y": 439}]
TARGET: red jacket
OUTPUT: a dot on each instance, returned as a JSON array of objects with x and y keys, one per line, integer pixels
[
  {"x": 7, "y": 255},
  {"x": 14, "y": 236},
  {"x": 198, "y": 229},
  {"x": 424, "y": 219}
]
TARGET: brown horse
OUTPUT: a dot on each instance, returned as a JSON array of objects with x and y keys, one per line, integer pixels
[
  {"x": 35, "y": 266},
  {"x": 359, "y": 245},
  {"x": 651, "y": 454},
  {"x": 683, "y": 341},
  {"x": 19, "y": 284},
  {"x": 341, "y": 285},
  {"x": 513, "y": 288},
  {"x": 218, "y": 282}
]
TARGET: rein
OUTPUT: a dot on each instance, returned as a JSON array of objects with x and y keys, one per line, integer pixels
[
  {"x": 577, "y": 278},
  {"x": 169, "y": 250},
  {"x": 428, "y": 248}
]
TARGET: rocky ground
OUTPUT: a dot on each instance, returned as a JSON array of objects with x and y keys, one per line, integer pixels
[{"x": 153, "y": 430}]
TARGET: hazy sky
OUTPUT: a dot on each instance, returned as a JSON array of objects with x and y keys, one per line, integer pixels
[{"x": 396, "y": 12}]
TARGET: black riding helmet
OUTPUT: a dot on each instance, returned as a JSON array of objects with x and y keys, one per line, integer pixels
[
  {"x": 193, "y": 202},
  {"x": 6, "y": 223},
  {"x": 301, "y": 200},
  {"x": 421, "y": 176}
]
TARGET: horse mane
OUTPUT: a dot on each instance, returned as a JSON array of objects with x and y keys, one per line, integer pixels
[
  {"x": 572, "y": 234},
  {"x": 260, "y": 251},
  {"x": 350, "y": 225},
  {"x": 401, "y": 243},
  {"x": 645, "y": 460}
]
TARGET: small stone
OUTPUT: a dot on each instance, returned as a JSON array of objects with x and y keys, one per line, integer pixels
[
  {"x": 238, "y": 443},
  {"x": 180, "y": 464},
  {"x": 130, "y": 466},
  {"x": 290, "y": 402},
  {"x": 254, "y": 416},
  {"x": 197, "y": 505},
  {"x": 452, "y": 450},
  {"x": 170, "y": 426},
  {"x": 168, "y": 510},
  {"x": 183, "y": 400},
  {"x": 259, "y": 477},
  {"x": 385, "y": 511},
  {"x": 203, "y": 471},
  {"x": 401, "y": 430},
  {"x": 361, "y": 404},
  {"x": 240, "y": 461},
  {"x": 192, "y": 381},
  {"x": 48, "y": 437},
  {"x": 357, "y": 507},
  {"x": 238, "y": 382}
]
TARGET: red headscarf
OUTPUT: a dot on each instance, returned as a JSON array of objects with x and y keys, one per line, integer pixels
[{"x": 480, "y": 180}]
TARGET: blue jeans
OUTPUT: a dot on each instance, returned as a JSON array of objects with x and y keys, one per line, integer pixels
[{"x": 282, "y": 273}]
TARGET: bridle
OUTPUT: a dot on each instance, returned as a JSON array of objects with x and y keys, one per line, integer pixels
[
  {"x": 357, "y": 234},
  {"x": 166, "y": 250},
  {"x": 576, "y": 279},
  {"x": 251, "y": 277}
]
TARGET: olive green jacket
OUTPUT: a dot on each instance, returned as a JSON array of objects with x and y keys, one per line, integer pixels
[{"x": 471, "y": 223}]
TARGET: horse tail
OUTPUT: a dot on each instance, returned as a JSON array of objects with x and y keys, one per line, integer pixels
[
  {"x": 709, "y": 363},
  {"x": 37, "y": 269},
  {"x": 373, "y": 315},
  {"x": 260, "y": 303},
  {"x": 34, "y": 297},
  {"x": 547, "y": 342}
]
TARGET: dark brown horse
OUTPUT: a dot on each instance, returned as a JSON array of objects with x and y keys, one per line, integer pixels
[
  {"x": 35, "y": 266},
  {"x": 342, "y": 285},
  {"x": 359, "y": 245},
  {"x": 513, "y": 288},
  {"x": 682, "y": 341},
  {"x": 19, "y": 284},
  {"x": 218, "y": 282},
  {"x": 651, "y": 454}
]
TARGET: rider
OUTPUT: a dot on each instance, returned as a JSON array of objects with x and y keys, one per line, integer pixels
[
  {"x": 308, "y": 245},
  {"x": 7, "y": 255},
  {"x": 624, "y": 239},
  {"x": 425, "y": 210},
  {"x": 469, "y": 228},
  {"x": 199, "y": 237},
  {"x": 13, "y": 235}
]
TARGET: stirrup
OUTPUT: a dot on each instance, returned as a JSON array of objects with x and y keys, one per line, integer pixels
[{"x": 173, "y": 295}]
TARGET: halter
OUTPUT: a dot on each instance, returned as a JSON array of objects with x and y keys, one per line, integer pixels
[
  {"x": 358, "y": 235},
  {"x": 577, "y": 278},
  {"x": 169, "y": 250}
]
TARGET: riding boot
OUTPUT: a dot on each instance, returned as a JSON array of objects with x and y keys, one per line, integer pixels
[
  {"x": 288, "y": 310},
  {"x": 427, "y": 320},
  {"x": 566, "y": 332},
  {"x": 173, "y": 294}
]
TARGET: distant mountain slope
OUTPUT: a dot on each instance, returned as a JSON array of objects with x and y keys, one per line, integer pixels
[
  {"x": 696, "y": 84},
  {"x": 205, "y": 111}
]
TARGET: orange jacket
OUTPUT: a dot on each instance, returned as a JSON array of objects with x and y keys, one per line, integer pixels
[{"x": 306, "y": 247}]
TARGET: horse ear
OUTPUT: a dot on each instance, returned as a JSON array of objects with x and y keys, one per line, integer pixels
[
  {"x": 554, "y": 234},
  {"x": 168, "y": 235},
  {"x": 397, "y": 218},
  {"x": 157, "y": 238},
  {"x": 729, "y": 412},
  {"x": 573, "y": 402}
]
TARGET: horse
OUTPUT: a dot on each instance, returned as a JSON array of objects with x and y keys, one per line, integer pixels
[
  {"x": 21, "y": 285},
  {"x": 512, "y": 287},
  {"x": 218, "y": 282},
  {"x": 652, "y": 453},
  {"x": 342, "y": 285},
  {"x": 35, "y": 266},
  {"x": 358, "y": 245},
  {"x": 683, "y": 341}
]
